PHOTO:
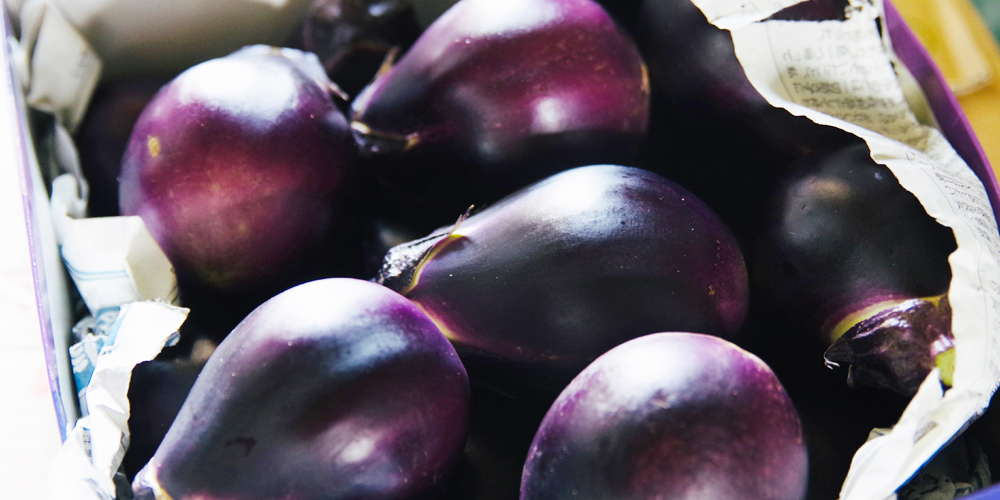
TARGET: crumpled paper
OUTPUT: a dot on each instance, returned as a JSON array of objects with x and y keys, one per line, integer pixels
[
  {"x": 926, "y": 486},
  {"x": 112, "y": 260},
  {"x": 86, "y": 465},
  {"x": 842, "y": 74},
  {"x": 142, "y": 37},
  {"x": 57, "y": 67}
]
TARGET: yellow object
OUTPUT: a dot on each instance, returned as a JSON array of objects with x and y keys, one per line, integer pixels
[
  {"x": 946, "y": 363},
  {"x": 965, "y": 50}
]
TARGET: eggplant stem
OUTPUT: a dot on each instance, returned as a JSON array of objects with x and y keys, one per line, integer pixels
[
  {"x": 402, "y": 261},
  {"x": 374, "y": 141},
  {"x": 387, "y": 62},
  {"x": 853, "y": 318},
  {"x": 337, "y": 91},
  {"x": 461, "y": 219},
  {"x": 897, "y": 347}
]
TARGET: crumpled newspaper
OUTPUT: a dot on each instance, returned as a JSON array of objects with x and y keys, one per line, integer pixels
[
  {"x": 67, "y": 46},
  {"x": 112, "y": 260},
  {"x": 959, "y": 469},
  {"x": 86, "y": 465},
  {"x": 845, "y": 74}
]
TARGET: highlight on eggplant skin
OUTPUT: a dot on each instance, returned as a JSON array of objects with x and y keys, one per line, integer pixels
[
  {"x": 845, "y": 242},
  {"x": 334, "y": 389},
  {"x": 240, "y": 168},
  {"x": 496, "y": 95},
  {"x": 534, "y": 287},
  {"x": 670, "y": 415}
]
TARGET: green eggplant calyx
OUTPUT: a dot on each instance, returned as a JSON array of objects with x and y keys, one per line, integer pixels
[
  {"x": 401, "y": 268},
  {"x": 897, "y": 347}
]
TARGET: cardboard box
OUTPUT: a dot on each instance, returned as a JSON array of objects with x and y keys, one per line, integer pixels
[{"x": 53, "y": 288}]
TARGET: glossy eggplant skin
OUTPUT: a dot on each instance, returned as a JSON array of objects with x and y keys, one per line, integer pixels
[
  {"x": 843, "y": 235},
  {"x": 239, "y": 167},
  {"x": 535, "y": 287},
  {"x": 673, "y": 416},
  {"x": 334, "y": 389},
  {"x": 496, "y": 95}
]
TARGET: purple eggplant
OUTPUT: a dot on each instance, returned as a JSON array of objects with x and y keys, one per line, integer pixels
[
  {"x": 239, "y": 166},
  {"x": 672, "y": 416},
  {"x": 334, "y": 389},
  {"x": 710, "y": 130},
  {"x": 852, "y": 258},
  {"x": 156, "y": 392},
  {"x": 695, "y": 73},
  {"x": 104, "y": 134},
  {"x": 535, "y": 287},
  {"x": 496, "y": 95},
  {"x": 353, "y": 37}
]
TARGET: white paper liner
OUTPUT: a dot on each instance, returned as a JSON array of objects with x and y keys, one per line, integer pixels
[
  {"x": 839, "y": 74},
  {"x": 924, "y": 163},
  {"x": 112, "y": 260},
  {"x": 57, "y": 66},
  {"x": 729, "y": 14},
  {"x": 67, "y": 46},
  {"x": 141, "y": 37},
  {"x": 85, "y": 465}
]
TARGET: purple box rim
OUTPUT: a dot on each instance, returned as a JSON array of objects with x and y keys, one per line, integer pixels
[
  {"x": 9, "y": 82},
  {"x": 954, "y": 125}
]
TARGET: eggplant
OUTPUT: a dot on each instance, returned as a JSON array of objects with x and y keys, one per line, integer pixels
[
  {"x": 240, "y": 167},
  {"x": 156, "y": 392},
  {"x": 536, "y": 286},
  {"x": 852, "y": 260},
  {"x": 496, "y": 95},
  {"x": 334, "y": 389},
  {"x": 353, "y": 37},
  {"x": 710, "y": 130},
  {"x": 694, "y": 72},
  {"x": 104, "y": 134},
  {"x": 670, "y": 415}
]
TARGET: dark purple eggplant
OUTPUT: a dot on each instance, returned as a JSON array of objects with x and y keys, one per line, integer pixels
[
  {"x": 104, "y": 134},
  {"x": 673, "y": 416},
  {"x": 239, "y": 166},
  {"x": 156, "y": 392},
  {"x": 853, "y": 259},
  {"x": 496, "y": 95},
  {"x": 710, "y": 130},
  {"x": 353, "y": 37},
  {"x": 694, "y": 70},
  {"x": 334, "y": 389},
  {"x": 535, "y": 287}
]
